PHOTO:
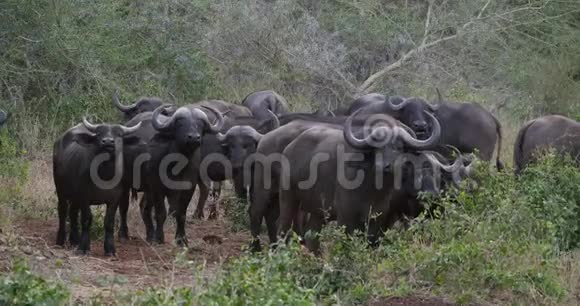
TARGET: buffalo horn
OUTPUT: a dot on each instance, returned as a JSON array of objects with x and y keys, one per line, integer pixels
[
  {"x": 121, "y": 107},
  {"x": 377, "y": 135},
  {"x": 458, "y": 163},
  {"x": 163, "y": 126},
  {"x": 221, "y": 137},
  {"x": 215, "y": 128},
  {"x": 89, "y": 126},
  {"x": 418, "y": 144},
  {"x": 275, "y": 120},
  {"x": 130, "y": 130},
  {"x": 398, "y": 106}
]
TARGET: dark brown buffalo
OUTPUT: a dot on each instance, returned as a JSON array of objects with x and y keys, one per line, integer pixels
[
  {"x": 261, "y": 101},
  {"x": 178, "y": 135},
  {"x": 552, "y": 131},
  {"x": 88, "y": 163},
  {"x": 346, "y": 188},
  {"x": 465, "y": 126}
]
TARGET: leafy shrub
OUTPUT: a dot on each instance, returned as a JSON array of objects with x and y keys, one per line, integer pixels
[
  {"x": 236, "y": 212},
  {"x": 502, "y": 237},
  {"x": 21, "y": 287},
  {"x": 551, "y": 191}
]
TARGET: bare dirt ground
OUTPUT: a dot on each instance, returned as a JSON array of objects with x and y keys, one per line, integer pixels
[{"x": 138, "y": 264}]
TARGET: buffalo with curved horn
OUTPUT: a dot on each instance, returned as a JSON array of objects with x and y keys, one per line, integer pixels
[
  {"x": 232, "y": 147},
  {"x": 171, "y": 169},
  {"x": 88, "y": 167},
  {"x": 466, "y": 126},
  {"x": 364, "y": 167},
  {"x": 146, "y": 104}
]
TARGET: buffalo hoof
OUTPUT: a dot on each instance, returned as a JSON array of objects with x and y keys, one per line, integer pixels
[
  {"x": 198, "y": 215},
  {"x": 83, "y": 252},
  {"x": 123, "y": 235},
  {"x": 212, "y": 215},
  {"x": 181, "y": 242},
  {"x": 255, "y": 246},
  {"x": 110, "y": 254}
]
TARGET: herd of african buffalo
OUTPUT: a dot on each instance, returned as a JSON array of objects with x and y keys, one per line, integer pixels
[{"x": 297, "y": 170}]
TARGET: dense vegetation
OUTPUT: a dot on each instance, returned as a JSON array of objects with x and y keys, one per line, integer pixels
[{"x": 511, "y": 240}]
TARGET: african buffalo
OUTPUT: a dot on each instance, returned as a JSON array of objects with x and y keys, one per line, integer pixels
[
  {"x": 349, "y": 178},
  {"x": 88, "y": 165},
  {"x": 555, "y": 131},
  {"x": 147, "y": 104},
  {"x": 171, "y": 144},
  {"x": 261, "y": 101},
  {"x": 232, "y": 147},
  {"x": 266, "y": 173},
  {"x": 215, "y": 173},
  {"x": 465, "y": 126}
]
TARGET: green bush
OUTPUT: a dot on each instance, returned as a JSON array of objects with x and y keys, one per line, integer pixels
[
  {"x": 551, "y": 191},
  {"x": 504, "y": 236},
  {"x": 22, "y": 287},
  {"x": 236, "y": 212}
]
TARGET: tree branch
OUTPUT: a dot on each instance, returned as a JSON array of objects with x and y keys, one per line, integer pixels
[
  {"x": 428, "y": 21},
  {"x": 403, "y": 60},
  {"x": 369, "y": 82}
]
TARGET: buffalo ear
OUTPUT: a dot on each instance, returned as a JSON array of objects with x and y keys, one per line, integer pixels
[{"x": 84, "y": 139}]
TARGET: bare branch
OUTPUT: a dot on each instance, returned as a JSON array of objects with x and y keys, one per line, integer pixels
[
  {"x": 483, "y": 9},
  {"x": 369, "y": 82},
  {"x": 403, "y": 60},
  {"x": 428, "y": 21}
]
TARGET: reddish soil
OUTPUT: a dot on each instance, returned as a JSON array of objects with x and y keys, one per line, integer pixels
[
  {"x": 138, "y": 263},
  {"x": 410, "y": 301}
]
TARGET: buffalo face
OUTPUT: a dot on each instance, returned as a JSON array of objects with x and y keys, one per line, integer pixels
[
  {"x": 238, "y": 143},
  {"x": 106, "y": 137},
  {"x": 412, "y": 112},
  {"x": 186, "y": 126}
]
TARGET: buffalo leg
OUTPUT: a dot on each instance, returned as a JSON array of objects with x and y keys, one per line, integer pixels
[
  {"x": 180, "y": 200},
  {"x": 288, "y": 210},
  {"x": 123, "y": 208},
  {"x": 74, "y": 237},
  {"x": 260, "y": 205},
  {"x": 146, "y": 214},
  {"x": 239, "y": 186},
  {"x": 312, "y": 228},
  {"x": 86, "y": 221},
  {"x": 160, "y": 216},
  {"x": 272, "y": 214},
  {"x": 62, "y": 216},
  {"x": 110, "y": 229},
  {"x": 203, "y": 194}
]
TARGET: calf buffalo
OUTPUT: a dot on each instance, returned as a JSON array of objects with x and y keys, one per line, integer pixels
[
  {"x": 87, "y": 168},
  {"x": 261, "y": 101},
  {"x": 465, "y": 126},
  {"x": 558, "y": 132}
]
